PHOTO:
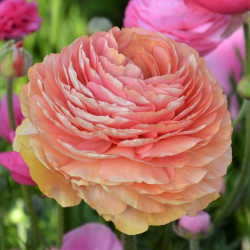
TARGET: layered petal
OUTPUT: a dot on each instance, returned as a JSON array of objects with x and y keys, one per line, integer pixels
[{"x": 131, "y": 122}]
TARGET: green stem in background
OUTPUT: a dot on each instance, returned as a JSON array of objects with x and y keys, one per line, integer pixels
[
  {"x": 2, "y": 229},
  {"x": 193, "y": 244},
  {"x": 25, "y": 189},
  {"x": 241, "y": 114},
  {"x": 9, "y": 87},
  {"x": 128, "y": 242},
  {"x": 32, "y": 215},
  {"x": 242, "y": 181},
  {"x": 60, "y": 227},
  {"x": 167, "y": 236}
]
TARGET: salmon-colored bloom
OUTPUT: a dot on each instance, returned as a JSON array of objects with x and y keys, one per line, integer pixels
[{"x": 131, "y": 122}]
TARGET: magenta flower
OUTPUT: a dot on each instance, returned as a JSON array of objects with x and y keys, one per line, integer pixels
[
  {"x": 18, "y": 168},
  {"x": 197, "y": 224},
  {"x": 202, "y": 30},
  {"x": 221, "y": 6},
  {"x": 91, "y": 236},
  {"x": 18, "y": 18},
  {"x": 13, "y": 160},
  {"x": 224, "y": 62}
]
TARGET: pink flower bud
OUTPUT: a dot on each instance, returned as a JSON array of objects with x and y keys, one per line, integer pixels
[
  {"x": 14, "y": 60},
  {"x": 197, "y": 224},
  {"x": 91, "y": 236}
]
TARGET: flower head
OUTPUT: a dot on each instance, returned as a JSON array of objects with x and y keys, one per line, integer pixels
[
  {"x": 221, "y": 6},
  {"x": 200, "y": 29},
  {"x": 91, "y": 236},
  {"x": 18, "y": 18},
  {"x": 130, "y": 121},
  {"x": 199, "y": 224}
]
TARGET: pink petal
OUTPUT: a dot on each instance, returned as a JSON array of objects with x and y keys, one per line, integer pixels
[
  {"x": 91, "y": 236},
  {"x": 19, "y": 170}
]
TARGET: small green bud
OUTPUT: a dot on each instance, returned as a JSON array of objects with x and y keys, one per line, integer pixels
[
  {"x": 98, "y": 24},
  {"x": 244, "y": 87},
  {"x": 14, "y": 60}
]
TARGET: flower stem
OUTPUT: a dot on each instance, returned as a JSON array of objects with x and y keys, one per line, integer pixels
[
  {"x": 244, "y": 173},
  {"x": 193, "y": 244},
  {"x": 241, "y": 114},
  {"x": 128, "y": 242},
  {"x": 25, "y": 189},
  {"x": 9, "y": 90},
  {"x": 32, "y": 216},
  {"x": 167, "y": 236},
  {"x": 60, "y": 227}
]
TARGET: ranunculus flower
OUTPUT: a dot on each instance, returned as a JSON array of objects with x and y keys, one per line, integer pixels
[
  {"x": 18, "y": 18},
  {"x": 131, "y": 122},
  {"x": 201, "y": 30},
  {"x": 13, "y": 160},
  {"x": 223, "y": 68},
  {"x": 91, "y": 236},
  {"x": 221, "y": 6},
  {"x": 197, "y": 224}
]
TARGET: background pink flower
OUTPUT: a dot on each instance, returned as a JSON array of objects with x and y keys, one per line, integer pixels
[
  {"x": 13, "y": 160},
  {"x": 197, "y": 224},
  {"x": 221, "y": 6},
  {"x": 224, "y": 62},
  {"x": 18, "y": 18},
  {"x": 18, "y": 168},
  {"x": 91, "y": 236},
  {"x": 201, "y": 30}
]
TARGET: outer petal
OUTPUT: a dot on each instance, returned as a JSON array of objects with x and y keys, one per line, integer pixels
[{"x": 51, "y": 184}]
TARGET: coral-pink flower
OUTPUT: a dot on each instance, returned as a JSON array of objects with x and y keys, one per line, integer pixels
[
  {"x": 197, "y": 224},
  {"x": 13, "y": 160},
  {"x": 201, "y": 30},
  {"x": 91, "y": 236},
  {"x": 18, "y": 18},
  {"x": 130, "y": 121}
]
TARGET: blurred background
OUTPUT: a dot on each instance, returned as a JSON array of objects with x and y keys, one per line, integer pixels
[{"x": 63, "y": 22}]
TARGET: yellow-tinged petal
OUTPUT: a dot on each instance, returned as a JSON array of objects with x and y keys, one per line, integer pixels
[{"x": 51, "y": 184}]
